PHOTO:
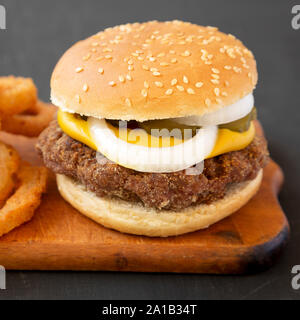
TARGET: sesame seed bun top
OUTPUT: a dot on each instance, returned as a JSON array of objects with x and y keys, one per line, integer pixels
[{"x": 153, "y": 70}]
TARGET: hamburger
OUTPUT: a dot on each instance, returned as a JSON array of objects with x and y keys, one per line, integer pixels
[{"x": 155, "y": 131}]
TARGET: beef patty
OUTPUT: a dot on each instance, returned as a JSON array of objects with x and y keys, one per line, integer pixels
[{"x": 169, "y": 191}]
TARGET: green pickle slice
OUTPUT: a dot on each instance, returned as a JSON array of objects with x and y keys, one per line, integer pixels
[
  {"x": 240, "y": 125},
  {"x": 148, "y": 126}
]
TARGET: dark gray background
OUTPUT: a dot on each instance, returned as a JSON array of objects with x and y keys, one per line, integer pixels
[{"x": 38, "y": 32}]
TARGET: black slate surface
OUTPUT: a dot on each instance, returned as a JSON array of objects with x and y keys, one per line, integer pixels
[{"x": 38, "y": 32}]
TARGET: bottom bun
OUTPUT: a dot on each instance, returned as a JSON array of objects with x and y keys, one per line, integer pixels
[{"x": 134, "y": 218}]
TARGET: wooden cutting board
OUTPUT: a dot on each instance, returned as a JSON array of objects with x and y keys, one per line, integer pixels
[{"x": 60, "y": 238}]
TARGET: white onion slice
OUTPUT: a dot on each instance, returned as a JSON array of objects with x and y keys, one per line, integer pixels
[
  {"x": 227, "y": 114},
  {"x": 155, "y": 159}
]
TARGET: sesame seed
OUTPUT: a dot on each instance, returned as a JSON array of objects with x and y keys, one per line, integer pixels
[
  {"x": 169, "y": 92},
  {"x": 153, "y": 69},
  {"x": 174, "y": 60},
  {"x": 172, "y": 52},
  {"x": 85, "y": 87},
  {"x": 164, "y": 64},
  {"x": 95, "y": 44},
  {"x": 144, "y": 93},
  {"x": 248, "y": 52},
  {"x": 186, "y": 53},
  {"x": 162, "y": 54},
  {"x": 236, "y": 69},
  {"x": 145, "y": 67},
  {"x": 190, "y": 91},
  {"x": 224, "y": 94},
  {"x": 230, "y": 53},
  {"x": 130, "y": 67},
  {"x": 156, "y": 74},
  {"x": 101, "y": 70},
  {"x": 215, "y": 70},
  {"x": 146, "y": 84},
  {"x": 112, "y": 83},
  {"x": 226, "y": 83},
  {"x": 249, "y": 74},
  {"x": 128, "y": 102},
  {"x": 108, "y": 56},
  {"x": 237, "y": 49},
  {"x": 180, "y": 88},
  {"x": 128, "y": 77},
  {"x": 107, "y": 50},
  {"x": 215, "y": 81},
  {"x": 79, "y": 69},
  {"x": 227, "y": 67},
  {"x": 199, "y": 84},
  {"x": 215, "y": 76},
  {"x": 87, "y": 57},
  {"x": 99, "y": 58},
  {"x": 159, "y": 84},
  {"x": 207, "y": 102},
  {"x": 211, "y": 28},
  {"x": 217, "y": 91},
  {"x": 152, "y": 59},
  {"x": 173, "y": 82},
  {"x": 185, "y": 79},
  {"x": 121, "y": 78},
  {"x": 218, "y": 100},
  {"x": 130, "y": 61}
]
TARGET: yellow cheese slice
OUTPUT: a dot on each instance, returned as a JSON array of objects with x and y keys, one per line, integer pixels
[
  {"x": 75, "y": 128},
  {"x": 232, "y": 141},
  {"x": 78, "y": 129}
]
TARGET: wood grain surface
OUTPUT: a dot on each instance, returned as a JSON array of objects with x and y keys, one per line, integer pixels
[{"x": 60, "y": 238}]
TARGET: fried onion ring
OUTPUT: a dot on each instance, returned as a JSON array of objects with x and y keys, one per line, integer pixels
[
  {"x": 32, "y": 122},
  {"x": 17, "y": 95},
  {"x": 9, "y": 164},
  {"x": 20, "y": 207}
]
